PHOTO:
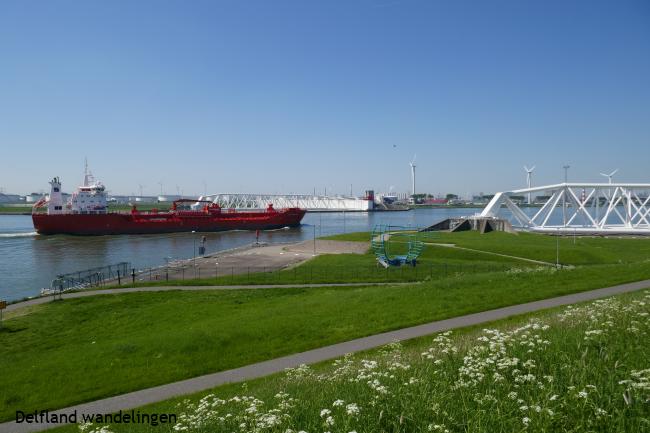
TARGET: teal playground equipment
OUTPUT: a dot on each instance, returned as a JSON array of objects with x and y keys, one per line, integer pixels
[{"x": 396, "y": 245}]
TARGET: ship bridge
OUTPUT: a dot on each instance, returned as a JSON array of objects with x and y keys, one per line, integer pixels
[
  {"x": 576, "y": 208},
  {"x": 281, "y": 201}
]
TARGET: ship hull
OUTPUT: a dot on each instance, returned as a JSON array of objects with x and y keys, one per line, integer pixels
[{"x": 171, "y": 222}]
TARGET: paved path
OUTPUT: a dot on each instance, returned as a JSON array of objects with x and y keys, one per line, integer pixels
[
  {"x": 201, "y": 383},
  {"x": 83, "y": 294}
]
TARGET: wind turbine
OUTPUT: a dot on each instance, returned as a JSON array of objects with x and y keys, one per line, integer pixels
[
  {"x": 529, "y": 175},
  {"x": 412, "y": 164},
  {"x": 610, "y": 175}
]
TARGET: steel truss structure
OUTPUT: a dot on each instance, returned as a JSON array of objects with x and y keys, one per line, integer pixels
[
  {"x": 582, "y": 208},
  {"x": 303, "y": 201}
]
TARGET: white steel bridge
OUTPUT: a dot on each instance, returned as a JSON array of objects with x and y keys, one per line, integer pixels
[
  {"x": 578, "y": 208},
  {"x": 280, "y": 201}
]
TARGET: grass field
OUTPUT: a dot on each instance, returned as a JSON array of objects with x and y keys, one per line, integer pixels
[
  {"x": 575, "y": 369},
  {"x": 87, "y": 348},
  {"x": 15, "y": 209},
  {"x": 476, "y": 255},
  {"x": 434, "y": 263},
  {"x": 77, "y": 350},
  {"x": 573, "y": 251}
]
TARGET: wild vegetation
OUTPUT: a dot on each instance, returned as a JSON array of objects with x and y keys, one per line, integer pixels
[{"x": 579, "y": 368}]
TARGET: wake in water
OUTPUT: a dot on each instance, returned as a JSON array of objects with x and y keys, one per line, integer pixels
[{"x": 17, "y": 235}]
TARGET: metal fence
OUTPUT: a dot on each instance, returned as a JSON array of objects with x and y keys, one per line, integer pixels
[
  {"x": 306, "y": 274},
  {"x": 92, "y": 277}
]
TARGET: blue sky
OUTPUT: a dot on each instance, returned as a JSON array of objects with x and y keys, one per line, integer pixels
[{"x": 288, "y": 96}]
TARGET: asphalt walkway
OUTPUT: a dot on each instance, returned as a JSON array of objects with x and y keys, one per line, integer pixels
[{"x": 201, "y": 383}]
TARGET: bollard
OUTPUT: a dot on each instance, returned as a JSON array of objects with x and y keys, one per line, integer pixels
[
  {"x": 132, "y": 275},
  {"x": 119, "y": 278},
  {"x": 166, "y": 274}
]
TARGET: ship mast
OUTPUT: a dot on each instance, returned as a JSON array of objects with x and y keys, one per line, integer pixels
[{"x": 88, "y": 176}]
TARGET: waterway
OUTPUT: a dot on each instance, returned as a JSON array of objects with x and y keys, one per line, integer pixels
[{"x": 29, "y": 262}]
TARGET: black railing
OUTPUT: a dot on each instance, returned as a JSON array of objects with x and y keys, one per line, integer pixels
[
  {"x": 306, "y": 274},
  {"x": 92, "y": 277}
]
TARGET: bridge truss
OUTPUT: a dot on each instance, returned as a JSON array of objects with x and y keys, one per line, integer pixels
[
  {"x": 280, "y": 201},
  {"x": 589, "y": 208}
]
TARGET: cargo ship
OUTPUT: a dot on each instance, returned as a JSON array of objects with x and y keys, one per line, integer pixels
[{"x": 86, "y": 213}]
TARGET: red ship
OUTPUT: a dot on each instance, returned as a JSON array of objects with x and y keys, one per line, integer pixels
[{"x": 86, "y": 214}]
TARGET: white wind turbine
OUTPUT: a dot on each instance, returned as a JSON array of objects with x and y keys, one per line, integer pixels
[
  {"x": 529, "y": 176},
  {"x": 610, "y": 175},
  {"x": 412, "y": 164}
]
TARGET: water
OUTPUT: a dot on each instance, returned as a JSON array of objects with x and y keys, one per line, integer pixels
[{"x": 29, "y": 262}]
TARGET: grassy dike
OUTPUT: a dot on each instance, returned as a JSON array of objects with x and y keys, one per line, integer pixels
[
  {"x": 578, "y": 368},
  {"x": 63, "y": 353}
]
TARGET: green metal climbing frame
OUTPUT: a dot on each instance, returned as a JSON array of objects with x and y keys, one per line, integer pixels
[{"x": 386, "y": 239}]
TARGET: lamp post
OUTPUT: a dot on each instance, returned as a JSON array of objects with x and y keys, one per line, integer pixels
[
  {"x": 557, "y": 249},
  {"x": 566, "y": 173},
  {"x": 194, "y": 256},
  {"x": 566, "y": 180}
]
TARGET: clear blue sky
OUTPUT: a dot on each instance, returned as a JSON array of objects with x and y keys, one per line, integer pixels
[{"x": 285, "y": 96}]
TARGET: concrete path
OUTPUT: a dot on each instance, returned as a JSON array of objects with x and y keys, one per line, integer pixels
[
  {"x": 201, "y": 383},
  {"x": 83, "y": 294}
]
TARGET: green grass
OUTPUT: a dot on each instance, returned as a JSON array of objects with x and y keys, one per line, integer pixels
[
  {"x": 566, "y": 378},
  {"x": 87, "y": 348},
  {"x": 437, "y": 261},
  {"x": 355, "y": 237},
  {"x": 434, "y": 263},
  {"x": 16, "y": 209},
  {"x": 573, "y": 251},
  {"x": 146, "y": 339}
]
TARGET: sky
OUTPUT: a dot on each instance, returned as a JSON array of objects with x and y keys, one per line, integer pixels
[{"x": 296, "y": 96}]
